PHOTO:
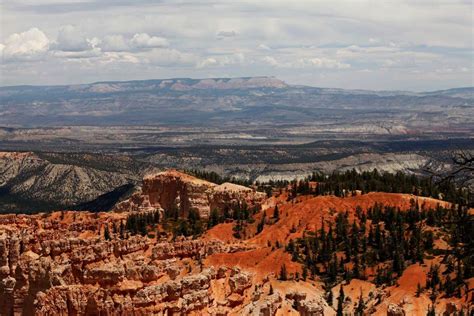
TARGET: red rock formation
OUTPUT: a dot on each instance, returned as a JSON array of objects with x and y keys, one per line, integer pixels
[
  {"x": 173, "y": 189},
  {"x": 61, "y": 263}
]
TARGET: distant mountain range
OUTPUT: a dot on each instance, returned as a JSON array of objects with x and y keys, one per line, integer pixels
[{"x": 223, "y": 101}]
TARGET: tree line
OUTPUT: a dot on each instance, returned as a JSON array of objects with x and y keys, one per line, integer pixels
[
  {"x": 387, "y": 239},
  {"x": 347, "y": 183}
]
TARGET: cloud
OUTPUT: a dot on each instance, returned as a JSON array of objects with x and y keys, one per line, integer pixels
[
  {"x": 226, "y": 34},
  {"x": 208, "y": 62},
  {"x": 167, "y": 57},
  {"x": 94, "y": 52},
  {"x": 71, "y": 39},
  {"x": 306, "y": 63},
  {"x": 389, "y": 56},
  {"x": 270, "y": 61},
  {"x": 143, "y": 40},
  {"x": 139, "y": 41},
  {"x": 27, "y": 45},
  {"x": 322, "y": 63},
  {"x": 119, "y": 57},
  {"x": 114, "y": 43},
  {"x": 221, "y": 61},
  {"x": 263, "y": 47},
  {"x": 240, "y": 38}
]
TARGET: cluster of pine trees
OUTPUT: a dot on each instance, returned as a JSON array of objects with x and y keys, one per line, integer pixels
[
  {"x": 346, "y": 183},
  {"x": 137, "y": 223},
  {"x": 240, "y": 213},
  {"x": 193, "y": 225},
  {"x": 190, "y": 226},
  {"x": 214, "y": 177},
  {"x": 388, "y": 240}
]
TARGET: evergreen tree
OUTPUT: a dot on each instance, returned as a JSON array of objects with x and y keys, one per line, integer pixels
[
  {"x": 431, "y": 311},
  {"x": 340, "y": 302},
  {"x": 213, "y": 218},
  {"x": 276, "y": 213},
  {"x": 419, "y": 290},
  {"x": 261, "y": 225},
  {"x": 283, "y": 273},
  {"x": 360, "y": 306},
  {"x": 106, "y": 233},
  {"x": 122, "y": 230},
  {"x": 330, "y": 298},
  {"x": 142, "y": 227},
  {"x": 305, "y": 273},
  {"x": 449, "y": 286},
  {"x": 356, "y": 268}
]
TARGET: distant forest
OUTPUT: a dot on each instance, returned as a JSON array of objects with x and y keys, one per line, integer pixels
[{"x": 347, "y": 183}]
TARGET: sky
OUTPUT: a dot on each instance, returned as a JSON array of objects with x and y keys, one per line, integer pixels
[{"x": 360, "y": 44}]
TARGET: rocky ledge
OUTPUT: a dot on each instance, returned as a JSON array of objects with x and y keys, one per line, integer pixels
[{"x": 173, "y": 189}]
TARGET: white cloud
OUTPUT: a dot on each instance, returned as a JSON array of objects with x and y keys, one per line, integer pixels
[
  {"x": 71, "y": 39},
  {"x": 94, "y": 52},
  {"x": 270, "y": 61},
  {"x": 139, "y": 41},
  {"x": 390, "y": 56},
  {"x": 306, "y": 63},
  {"x": 226, "y": 33},
  {"x": 114, "y": 43},
  {"x": 263, "y": 47},
  {"x": 323, "y": 63},
  {"x": 27, "y": 45},
  {"x": 267, "y": 37},
  {"x": 208, "y": 62},
  {"x": 168, "y": 57},
  {"x": 233, "y": 59},
  {"x": 143, "y": 40},
  {"x": 119, "y": 57}
]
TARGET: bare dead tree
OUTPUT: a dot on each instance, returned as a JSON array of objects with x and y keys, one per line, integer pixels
[
  {"x": 463, "y": 170},
  {"x": 461, "y": 173}
]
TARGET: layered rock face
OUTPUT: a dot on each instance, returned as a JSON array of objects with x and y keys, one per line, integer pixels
[
  {"x": 61, "y": 264},
  {"x": 81, "y": 263},
  {"x": 173, "y": 189}
]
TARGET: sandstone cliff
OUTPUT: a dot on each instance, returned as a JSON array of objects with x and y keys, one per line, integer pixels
[
  {"x": 64, "y": 263},
  {"x": 172, "y": 189},
  {"x": 60, "y": 264}
]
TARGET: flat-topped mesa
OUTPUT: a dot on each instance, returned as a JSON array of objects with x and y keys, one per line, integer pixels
[{"x": 173, "y": 189}]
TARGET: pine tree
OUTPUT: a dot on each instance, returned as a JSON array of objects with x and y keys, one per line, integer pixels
[
  {"x": 360, "y": 306},
  {"x": 431, "y": 311},
  {"x": 330, "y": 297},
  {"x": 122, "y": 230},
  {"x": 340, "y": 302},
  {"x": 106, "y": 233},
  {"x": 305, "y": 273},
  {"x": 261, "y": 225},
  {"x": 283, "y": 273},
  {"x": 213, "y": 218},
  {"x": 276, "y": 213},
  {"x": 419, "y": 290},
  {"x": 449, "y": 286},
  {"x": 142, "y": 227},
  {"x": 356, "y": 268}
]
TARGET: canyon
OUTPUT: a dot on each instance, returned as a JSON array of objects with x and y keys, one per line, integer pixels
[
  {"x": 234, "y": 196},
  {"x": 84, "y": 263}
]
